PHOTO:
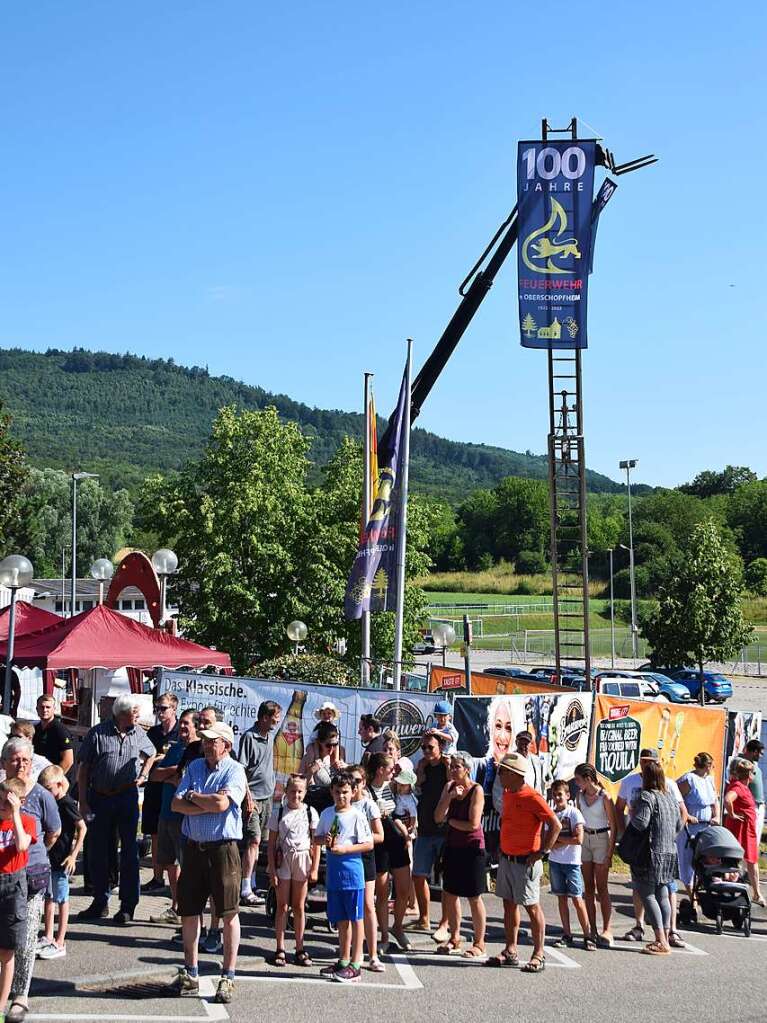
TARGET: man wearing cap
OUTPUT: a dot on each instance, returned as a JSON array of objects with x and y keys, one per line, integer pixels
[
  {"x": 209, "y": 796},
  {"x": 628, "y": 795},
  {"x": 535, "y": 767},
  {"x": 525, "y": 811}
]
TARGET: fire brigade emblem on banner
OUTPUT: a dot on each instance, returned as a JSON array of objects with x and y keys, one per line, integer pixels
[{"x": 555, "y": 184}]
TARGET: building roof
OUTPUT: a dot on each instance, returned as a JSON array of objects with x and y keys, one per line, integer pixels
[{"x": 86, "y": 589}]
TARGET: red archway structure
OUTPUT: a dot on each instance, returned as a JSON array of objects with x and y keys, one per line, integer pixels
[{"x": 137, "y": 570}]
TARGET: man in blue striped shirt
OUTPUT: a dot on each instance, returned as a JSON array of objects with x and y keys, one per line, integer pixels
[{"x": 209, "y": 797}]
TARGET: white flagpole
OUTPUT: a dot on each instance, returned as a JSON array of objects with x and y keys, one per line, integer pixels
[
  {"x": 402, "y": 528},
  {"x": 366, "y": 509}
]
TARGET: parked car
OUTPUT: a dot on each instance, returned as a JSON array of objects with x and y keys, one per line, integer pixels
[
  {"x": 642, "y": 685},
  {"x": 508, "y": 670},
  {"x": 718, "y": 686},
  {"x": 426, "y": 645}
]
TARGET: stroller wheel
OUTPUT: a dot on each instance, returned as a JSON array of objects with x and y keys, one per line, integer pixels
[
  {"x": 719, "y": 922},
  {"x": 685, "y": 911},
  {"x": 747, "y": 924}
]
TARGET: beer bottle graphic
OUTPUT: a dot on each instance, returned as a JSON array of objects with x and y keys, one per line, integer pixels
[
  {"x": 665, "y": 719},
  {"x": 678, "y": 726},
  {"x": 289, "y": 743}
]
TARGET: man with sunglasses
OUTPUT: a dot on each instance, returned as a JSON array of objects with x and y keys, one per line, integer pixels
[
  {"x": 432, "y": 775},
  {"x": 162, "y": 736}
]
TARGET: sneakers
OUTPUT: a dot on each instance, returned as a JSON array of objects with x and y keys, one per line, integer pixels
[
  {"x": 212, "y": 943},
  {"x": 153, "y": 885},
  {"x": 52, "y": 951},
  {"x": 375, "y": 965},
  {"x": 346, "y": 975},
  {"x": 185, "y": 985},
  {"x": 168, "y": 916},
  {"x": 224, "y": 991},
  {"x": 42, "y": 942},
  {"x": 328, "y": 971}
]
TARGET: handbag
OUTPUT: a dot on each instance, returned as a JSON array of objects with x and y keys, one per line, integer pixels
[
  {"x": 634, "y": 845},
  {"x": 37, "y": 880}
]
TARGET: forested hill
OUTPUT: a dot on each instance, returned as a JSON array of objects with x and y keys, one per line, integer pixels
[{"x": 126, "y": 416}]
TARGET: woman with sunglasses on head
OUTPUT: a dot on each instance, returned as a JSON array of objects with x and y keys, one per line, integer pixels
[
  {"x": 460, "y": 807},
  {"x": 319, "y": 765},
  {"x": 391, "y": 855},
  {"x": 362, "y": 800}
]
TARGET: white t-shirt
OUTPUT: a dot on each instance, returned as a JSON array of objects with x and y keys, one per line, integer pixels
[
  {"x": 369, "y": 807},
  {"x": 294, "y": 827},
  {"x": 569, "y": 818},
  {"x": 631, "y": 786},
  {"x": 405, "y": 805},
  {"x": 353, "y": 827}
]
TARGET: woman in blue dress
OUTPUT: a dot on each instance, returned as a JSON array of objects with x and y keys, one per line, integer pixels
[{"x": 699, "y": 794}]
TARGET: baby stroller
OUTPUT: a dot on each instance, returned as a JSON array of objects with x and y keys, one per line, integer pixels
[{"x": 717, "y": 854}]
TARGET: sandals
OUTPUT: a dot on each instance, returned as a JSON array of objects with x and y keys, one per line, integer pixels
[
  {"x": 303, "y": 958},
  {"x": 589, "y": 944},
  {"x": 603, "y": 941},
  {"x": 279, "y": 958},
  {"x": 564, "y": 941},
  {"x": 440, "y": 935},
  {"x": 675, "y": 940},
  {"x": 635, "y": 934},
  {"x": 505, "y": 958},
  {"x": 402, "y": 940},
  {"x": 474, "y": 952},
  {"x": 449, "y": 947},
  {"x": 536, "y": 964},
  {"x": 656, "y": 949}
]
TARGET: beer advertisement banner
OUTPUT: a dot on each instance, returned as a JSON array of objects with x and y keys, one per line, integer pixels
[
  {"x": 622, "y": 727},
  {"x": 454, "y": 679},
  {"x": 559, "y": 724},
  {"x": 237, "y": 700},
  {"x": 555, "y": 185}
]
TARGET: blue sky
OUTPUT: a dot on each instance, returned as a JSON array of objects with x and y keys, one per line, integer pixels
[{"x": 286, "y": 194}]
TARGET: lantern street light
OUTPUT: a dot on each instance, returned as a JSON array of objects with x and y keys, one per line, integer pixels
[
  {"x": 103, "y": 570},
  {"x": 165, "y": 563},
  {"x": 297, "y": 633},
  {"x": 15, "y": 571},
  {"x": 444, "y": 635},
  {"x": 76, "y": 477}
]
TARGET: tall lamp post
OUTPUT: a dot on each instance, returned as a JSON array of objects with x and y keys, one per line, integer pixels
[
  {"x": 612, "y": 611},
  {"x": 102, "y": 569},
  {"x": 444, "y": 634},
  {"x": 165, "y": 563},
  {"x": 628, "y": 465},
  {"x": 296, "y": 633},
  {"x": 15, "y": 571},
  {"x": 76, "y": 477}
]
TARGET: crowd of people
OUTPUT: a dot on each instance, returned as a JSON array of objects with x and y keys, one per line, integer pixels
[{"x": 372, "y": 833}]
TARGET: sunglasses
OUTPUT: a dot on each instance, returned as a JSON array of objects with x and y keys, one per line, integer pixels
[
  {"x": 427, "y": 748},
  {"x": 162, "y": 706}
]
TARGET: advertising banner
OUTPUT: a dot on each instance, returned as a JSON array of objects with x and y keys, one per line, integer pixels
[
  {"x": 622, "y": 728},
  {"x": 237, "y": 700},
  {"x": 555, "y": 185},
  {"x": 559, "y": 724},
  {"x": 448, "y": 679}
]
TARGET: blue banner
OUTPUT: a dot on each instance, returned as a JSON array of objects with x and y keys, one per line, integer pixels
[
  {"x": 555, "y": 185},
  {"x": 372, "y": 583}
]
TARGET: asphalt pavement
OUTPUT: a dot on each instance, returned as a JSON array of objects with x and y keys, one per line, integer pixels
[{"x": 115, "y": 973}]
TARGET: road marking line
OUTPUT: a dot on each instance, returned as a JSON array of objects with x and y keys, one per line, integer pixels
[
  {"x": 691, "y": 950},
  {"x": 143, "y": 1018},
  {"x": 406, "y": 972},
  {"x": 566, "y": 961},
  {"x": 213, "y": 1010}
]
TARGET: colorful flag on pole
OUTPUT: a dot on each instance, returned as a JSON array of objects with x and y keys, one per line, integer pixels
[
  {"x": 372, "y": 583},
  {"x": 372, "y": 466}
]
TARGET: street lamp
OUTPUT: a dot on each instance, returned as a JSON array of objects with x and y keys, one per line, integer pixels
[
  {"x": 165, "y": 563},
  {"x": 76, "y": 477},
  {"x": 628, "y": 465},
  {"x": 612, "y": 611},
  {"x": 103, "y": 570},
  {"x": 15, "y": 571},
  {"x": 444, "y": 634},
  {"x": 297, "y": 633}
]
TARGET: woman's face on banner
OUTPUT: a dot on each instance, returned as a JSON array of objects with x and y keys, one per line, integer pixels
[{"x": 502, "y": 731}]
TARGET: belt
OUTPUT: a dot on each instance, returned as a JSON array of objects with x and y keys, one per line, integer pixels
[
  {"x": 202, "y": 846},
  {"x": 517, "y": 859},
  {"x": 116, "y": 792},
  {"x": 596, "y": 831}
]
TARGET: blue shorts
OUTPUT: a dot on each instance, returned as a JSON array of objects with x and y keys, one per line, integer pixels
[
  {"x": 58, "y": 887},
  {"x": 426, "y": 854},
  {"x": 566, "y": 879},
  {"x": 347, "y": 904}
]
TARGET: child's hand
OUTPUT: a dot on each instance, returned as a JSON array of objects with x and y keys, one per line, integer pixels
[
  {"x": 13, "y": 801},
  {"x": 329, "y": 841},
  {"x": 68, "y": 865},
  {"x": 313, "y": 877}
]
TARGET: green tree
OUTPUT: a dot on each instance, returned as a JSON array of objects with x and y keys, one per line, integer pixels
[
  {"x": 708, "y": 483},
  {"x": 699, "y": 616},
  {"x": 521, "y": 521},
  {"x": 13, "y": 475},
  {"x": 747, "y": 514},
  {"x": 756, "y": 577}
]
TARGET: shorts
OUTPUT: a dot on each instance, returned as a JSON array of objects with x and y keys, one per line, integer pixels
[
  {"x": 213, "y": 872},
  {"x": 150, "y": 808},
  {"x": 566, "y": 879},
  {"x": 595, "y": 847},
  {"x": 347, "y": 904},
  {"x": 295, "y": 866},
  {"x": 13, "y": 910},
  {"x": 58, "y": 887},
  {"x": 393, "y": 852},
  {"x": 255, "y": 828},
  {"x": 465, "y": 872},
  {"x": 428, "y": 849},
  {"x": 516, "y": 882},
  {"x": 369, "y": 865},
  {"x": 170, "y": 842}
]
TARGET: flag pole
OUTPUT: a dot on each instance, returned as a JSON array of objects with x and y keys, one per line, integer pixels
[
  {"x": 402, "y": 527},
  {"x": 367, "y": 490}
]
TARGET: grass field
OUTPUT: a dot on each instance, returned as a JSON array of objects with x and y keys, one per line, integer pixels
[{"x": 501, "y": 579}]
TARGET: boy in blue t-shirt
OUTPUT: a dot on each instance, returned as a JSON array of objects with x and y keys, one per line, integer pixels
[{"x": 344, "y": 830}]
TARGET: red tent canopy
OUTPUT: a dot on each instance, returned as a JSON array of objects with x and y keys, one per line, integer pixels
[
  {"x": 29, "y": 618},
  {"x": 102, "y": 638}
]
